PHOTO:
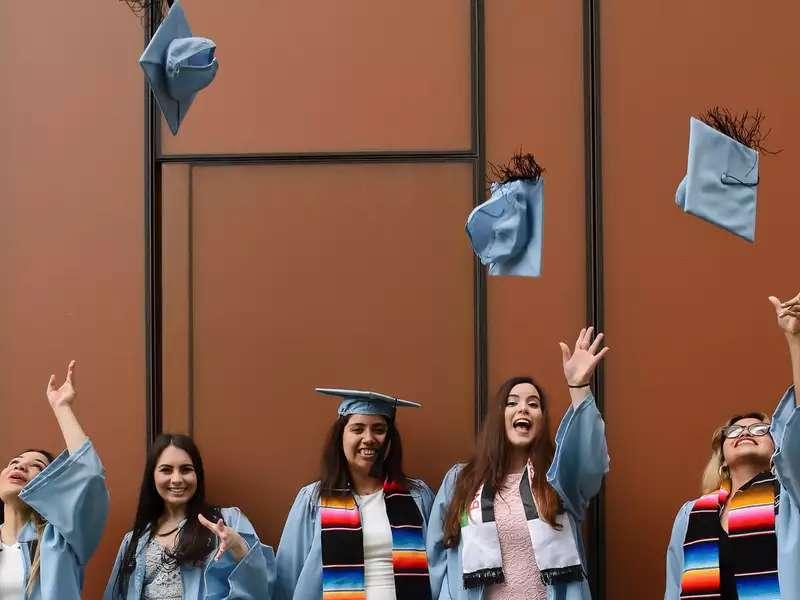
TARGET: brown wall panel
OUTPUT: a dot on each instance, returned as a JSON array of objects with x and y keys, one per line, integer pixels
[
  {"x": 534, "y": 100},
  {"x": 695, "y": 338},
  {"x": 176, "y": 298},
  {"x": 71, "y": 236},
  {"x": 331, "y": 76},
  {"x": 327, "y": 275}
]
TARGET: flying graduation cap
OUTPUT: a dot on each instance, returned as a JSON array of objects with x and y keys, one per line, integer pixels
[
  {"x": 177, "y": 65},
  {"x": 722, "y": 174},
  {"x": 359, "y": 402},
  {"x": 506, "y": 231}
]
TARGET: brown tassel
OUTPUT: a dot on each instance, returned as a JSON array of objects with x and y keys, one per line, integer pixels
[
  {"x": 744, "y": 128},
  {"x": 141, "y": 8},
  {"x": 521, "y": 166}
]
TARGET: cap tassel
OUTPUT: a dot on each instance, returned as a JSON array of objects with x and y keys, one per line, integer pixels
[
  {"x": 522, "y": 166},
  {"x": 744, "y": 128}
]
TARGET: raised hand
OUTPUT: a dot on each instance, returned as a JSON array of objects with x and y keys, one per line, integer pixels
[
  {"x": 65, "y": 395},
  {"x": 228, "y": 539},
  {"x": 579, "y": 365},
  {"x": 788, "y": 314}
]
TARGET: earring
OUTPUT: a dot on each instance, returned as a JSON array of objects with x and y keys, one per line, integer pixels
[{"x": 723, "y": 468}]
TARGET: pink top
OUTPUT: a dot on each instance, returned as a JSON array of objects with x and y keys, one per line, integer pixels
[{"x": 522, "y": 580}]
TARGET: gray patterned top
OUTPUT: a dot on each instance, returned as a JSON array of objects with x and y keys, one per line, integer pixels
[{"x": 162, "y": 578}]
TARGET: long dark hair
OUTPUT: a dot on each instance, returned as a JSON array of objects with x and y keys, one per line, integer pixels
[
  {"x": 335, "y": 473},
  {"x": 195, "y": 542},
  {"x": 490, "y": 462}
]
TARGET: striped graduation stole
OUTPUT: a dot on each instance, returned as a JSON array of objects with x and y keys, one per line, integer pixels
[
  {"x": 343, "y": 546},
  {"x": 751, "y": 531}
]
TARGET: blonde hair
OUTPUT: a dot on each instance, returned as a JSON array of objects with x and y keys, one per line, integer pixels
[
  {"x": 36, "y": 560},
  {"x": 716, "y": 472}
]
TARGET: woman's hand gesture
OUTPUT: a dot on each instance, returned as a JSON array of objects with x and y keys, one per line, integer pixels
[
  {"x": 65, "y": 395},
  {"x": 228, "y": 539},
  {"x": 788, "y": 314},
  {"x": 579, "y": 365}
]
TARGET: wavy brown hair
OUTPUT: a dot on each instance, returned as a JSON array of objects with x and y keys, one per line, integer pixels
[{"x": 491, "y": 460}]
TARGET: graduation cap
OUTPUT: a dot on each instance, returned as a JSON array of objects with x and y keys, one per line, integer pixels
[
  {"x": 721, "y": 180},
  {"x": 506, "y": 231},
  {"x": 359, "y": 402},
  {"x": 177, "y": 65}
]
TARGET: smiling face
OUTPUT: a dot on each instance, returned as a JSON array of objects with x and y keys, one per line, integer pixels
[
  {"x": 20, "y": 470},
  {"x": 362, "y": 437},
  {"x": 747, "y": 448},
  {"x": 175, "y": 477},
  {"x": 523, "y": 415}
]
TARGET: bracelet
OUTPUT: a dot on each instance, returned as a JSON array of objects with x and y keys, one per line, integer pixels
[{"x": 583, "y": 385}]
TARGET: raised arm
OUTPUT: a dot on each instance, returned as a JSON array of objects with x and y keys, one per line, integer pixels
[
  {"x": 70, "y": 493},
  {"x": 61, "y": 400},
  {"x": 785, "y": 427},
  {"x": 788, "y": 314},
  {"x": 581, "y": 458}
]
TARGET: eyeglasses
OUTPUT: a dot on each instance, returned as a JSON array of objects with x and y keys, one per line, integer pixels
[{"x": 755, "y": 429}]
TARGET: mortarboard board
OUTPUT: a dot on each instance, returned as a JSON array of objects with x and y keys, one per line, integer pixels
[
  {"x": 366, "y": 403},
  {"x": 721, "y": 180},
  {"x": 506, "y": 230},
  {"x": 177, "y": 65}
]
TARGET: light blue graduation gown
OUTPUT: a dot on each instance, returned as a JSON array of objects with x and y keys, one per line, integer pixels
[
  {"x": 576, "y": 473},
  {"x": 785, "y": 431},
  {"x": 299, "y": 557},
  {"x": 249, "y": 579},
  {"x": 70, "y": 493}
]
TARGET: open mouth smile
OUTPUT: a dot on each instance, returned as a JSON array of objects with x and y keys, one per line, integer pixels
[{"x": 522, "y": 425}]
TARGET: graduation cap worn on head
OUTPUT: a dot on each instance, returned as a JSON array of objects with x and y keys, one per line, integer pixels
[
  {"x": 506, "y": 231},
  {"x": 177, "y": 65},
  {"x": 360, "y": 402},
  {"x": 721, "y": 180}
]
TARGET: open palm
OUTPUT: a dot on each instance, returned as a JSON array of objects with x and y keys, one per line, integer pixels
[{"x": 579, "y": 365}]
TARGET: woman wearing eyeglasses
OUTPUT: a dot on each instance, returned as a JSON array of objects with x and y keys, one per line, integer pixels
[{"x": 740, "y": 539}]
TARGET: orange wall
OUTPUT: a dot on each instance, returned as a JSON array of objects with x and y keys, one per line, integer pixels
[
  {"x": 684, "y": 302},
  {"x": 71, "y": 236},
  {"x": 534, "y": 101},
  {"x": 694, "y": 336},
  {"x": 297, "y": 282}
]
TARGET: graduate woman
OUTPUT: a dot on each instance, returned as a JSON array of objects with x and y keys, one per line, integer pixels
[
  {"x": 507, "y": 525},
  {"x": 54, "y": 510},
  {"x": 741, "y": 539},
  {"x": 359, "y": 532},
  {"x": 182, "y": 547}
]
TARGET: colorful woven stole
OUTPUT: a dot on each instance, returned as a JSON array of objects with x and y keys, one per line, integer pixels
[
  {"x": 751, "y": 531},
  {"x": 343, "y": 546}
]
